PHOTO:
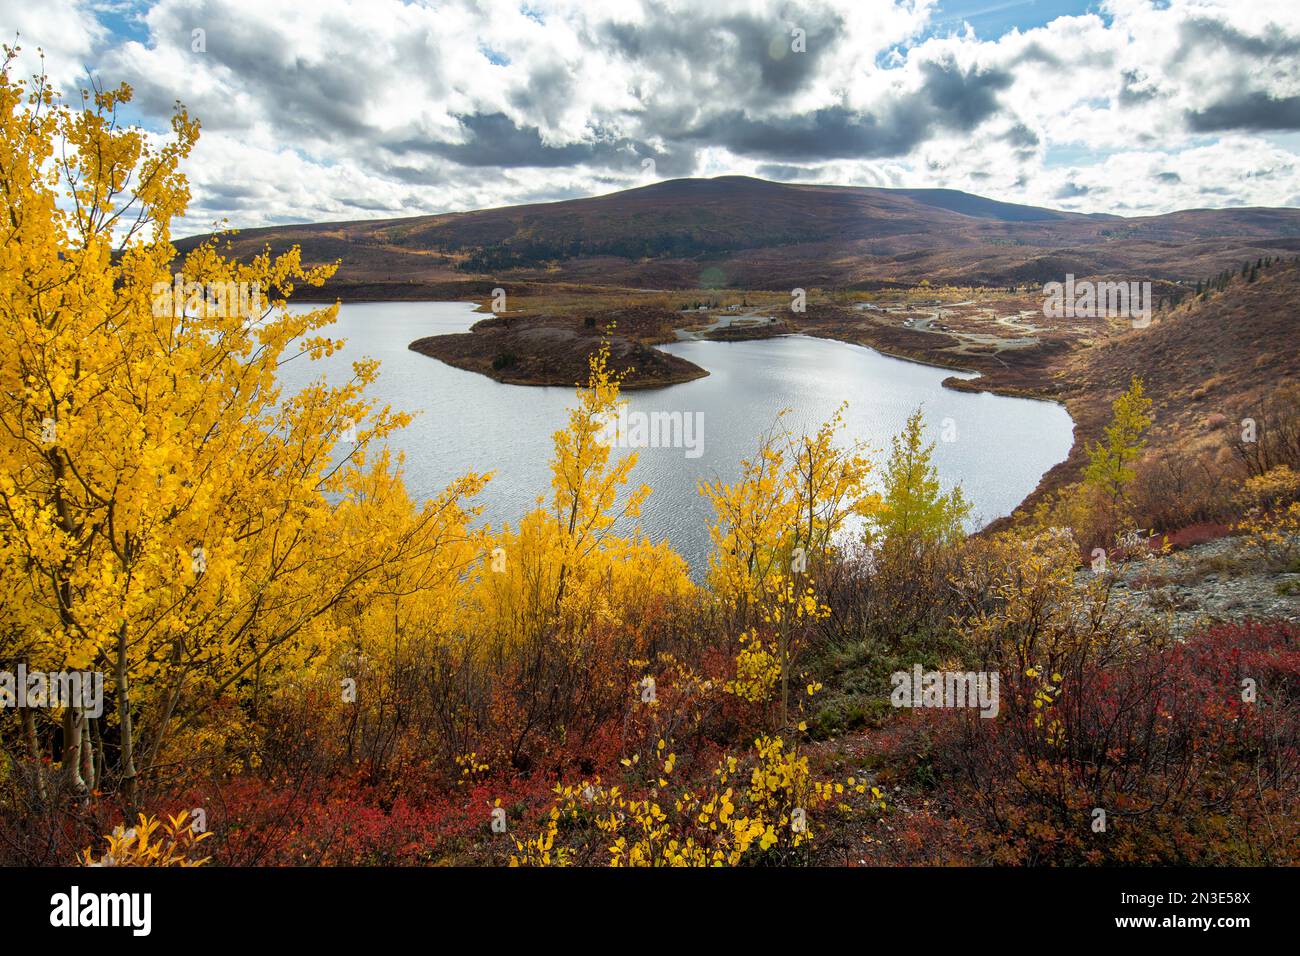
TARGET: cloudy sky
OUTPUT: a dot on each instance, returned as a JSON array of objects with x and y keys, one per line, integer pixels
[{"x": 346, "y": 109}]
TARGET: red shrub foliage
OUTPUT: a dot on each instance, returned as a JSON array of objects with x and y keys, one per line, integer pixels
[{"x": 1192, "y": 751}]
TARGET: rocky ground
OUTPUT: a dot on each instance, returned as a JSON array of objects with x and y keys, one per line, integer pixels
[{"x": 1222, "y": 580}]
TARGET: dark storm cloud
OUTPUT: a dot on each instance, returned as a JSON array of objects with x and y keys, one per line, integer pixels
[
  {"x": 782, "y": 70},
  {"x": 1273, "y": 43},
  {"x": 1136, "y": 87},
  {"x": 229, "y": 191},
  {"x": 950, "y": 98},
  {"x": 1255, "y": 110},
  {"x": 962, "y": 99},
  {"x": 1020, "y": 136},
  {"x": 1169, "y": 177},
  {"x": 1244, "y": 108},
  {"x": 786, "y": 172},
  {"x": 751, "y": 56},
  {"x": 1072, "y": 191},
  {"x": 406, "y": 174},
  {"x": 679, "y": 161},
  {"x": 1035, "y": 52},
  {"x": 550, "y": 87},
  {"x": 225, "y": 196},
  {"x": 831, "y": 133},
  {"x": 493, "y": 139},
  {"x": 369, "y": 205},
  {"x": 305, "y": 99}
]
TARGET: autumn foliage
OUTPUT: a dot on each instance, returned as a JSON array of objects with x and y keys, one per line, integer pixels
[{"x": 331, "y": 673}]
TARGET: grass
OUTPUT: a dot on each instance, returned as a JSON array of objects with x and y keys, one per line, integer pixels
[{"x": 856, "y": 675}]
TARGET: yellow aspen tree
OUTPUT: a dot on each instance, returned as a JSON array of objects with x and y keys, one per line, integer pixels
[
  {"x": 775, "y": 522},
  {"x": 169, "y": 516},
  {"x": 785, "y": 510},
  {"x": 544, "y": 587}
]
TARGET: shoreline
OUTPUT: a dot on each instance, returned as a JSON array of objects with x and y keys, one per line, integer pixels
[{"x": 1027, "y": 380}]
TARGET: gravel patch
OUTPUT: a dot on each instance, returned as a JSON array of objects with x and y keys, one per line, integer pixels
[{"x": 1220, "y": 580}]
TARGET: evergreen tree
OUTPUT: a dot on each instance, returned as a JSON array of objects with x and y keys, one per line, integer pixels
[
  {"x": 914, "y": 510},
  {"x": 1110, "y": 462}
]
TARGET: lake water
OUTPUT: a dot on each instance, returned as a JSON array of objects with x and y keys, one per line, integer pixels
[{"x": 467, "y": 422}]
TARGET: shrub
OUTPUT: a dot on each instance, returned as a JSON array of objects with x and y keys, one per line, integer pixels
[
  {"x": 1192, "y": 751},
  {"x": 1269, "y": 432},
  {"x": 763, "y": 816},
  {"x": 174, "y": 846},
  {"x": 1272, "y": 522}
]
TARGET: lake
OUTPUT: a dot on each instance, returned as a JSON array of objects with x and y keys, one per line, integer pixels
[{"x": 999, "y": 446}]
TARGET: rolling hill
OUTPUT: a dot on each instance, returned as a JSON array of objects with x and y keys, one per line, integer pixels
[
  {"x": 1206, "y": 365},
  {"x": 739, "y": 232}
]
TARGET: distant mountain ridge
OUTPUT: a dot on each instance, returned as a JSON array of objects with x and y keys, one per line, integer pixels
[
  {"x": 967, "y": 204},
  {"x": 744, "y": 232}
]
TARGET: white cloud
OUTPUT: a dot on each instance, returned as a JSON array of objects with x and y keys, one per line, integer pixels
[
  {"x": 349, "y": 109},
  {"x": 63, "y": 30}
]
